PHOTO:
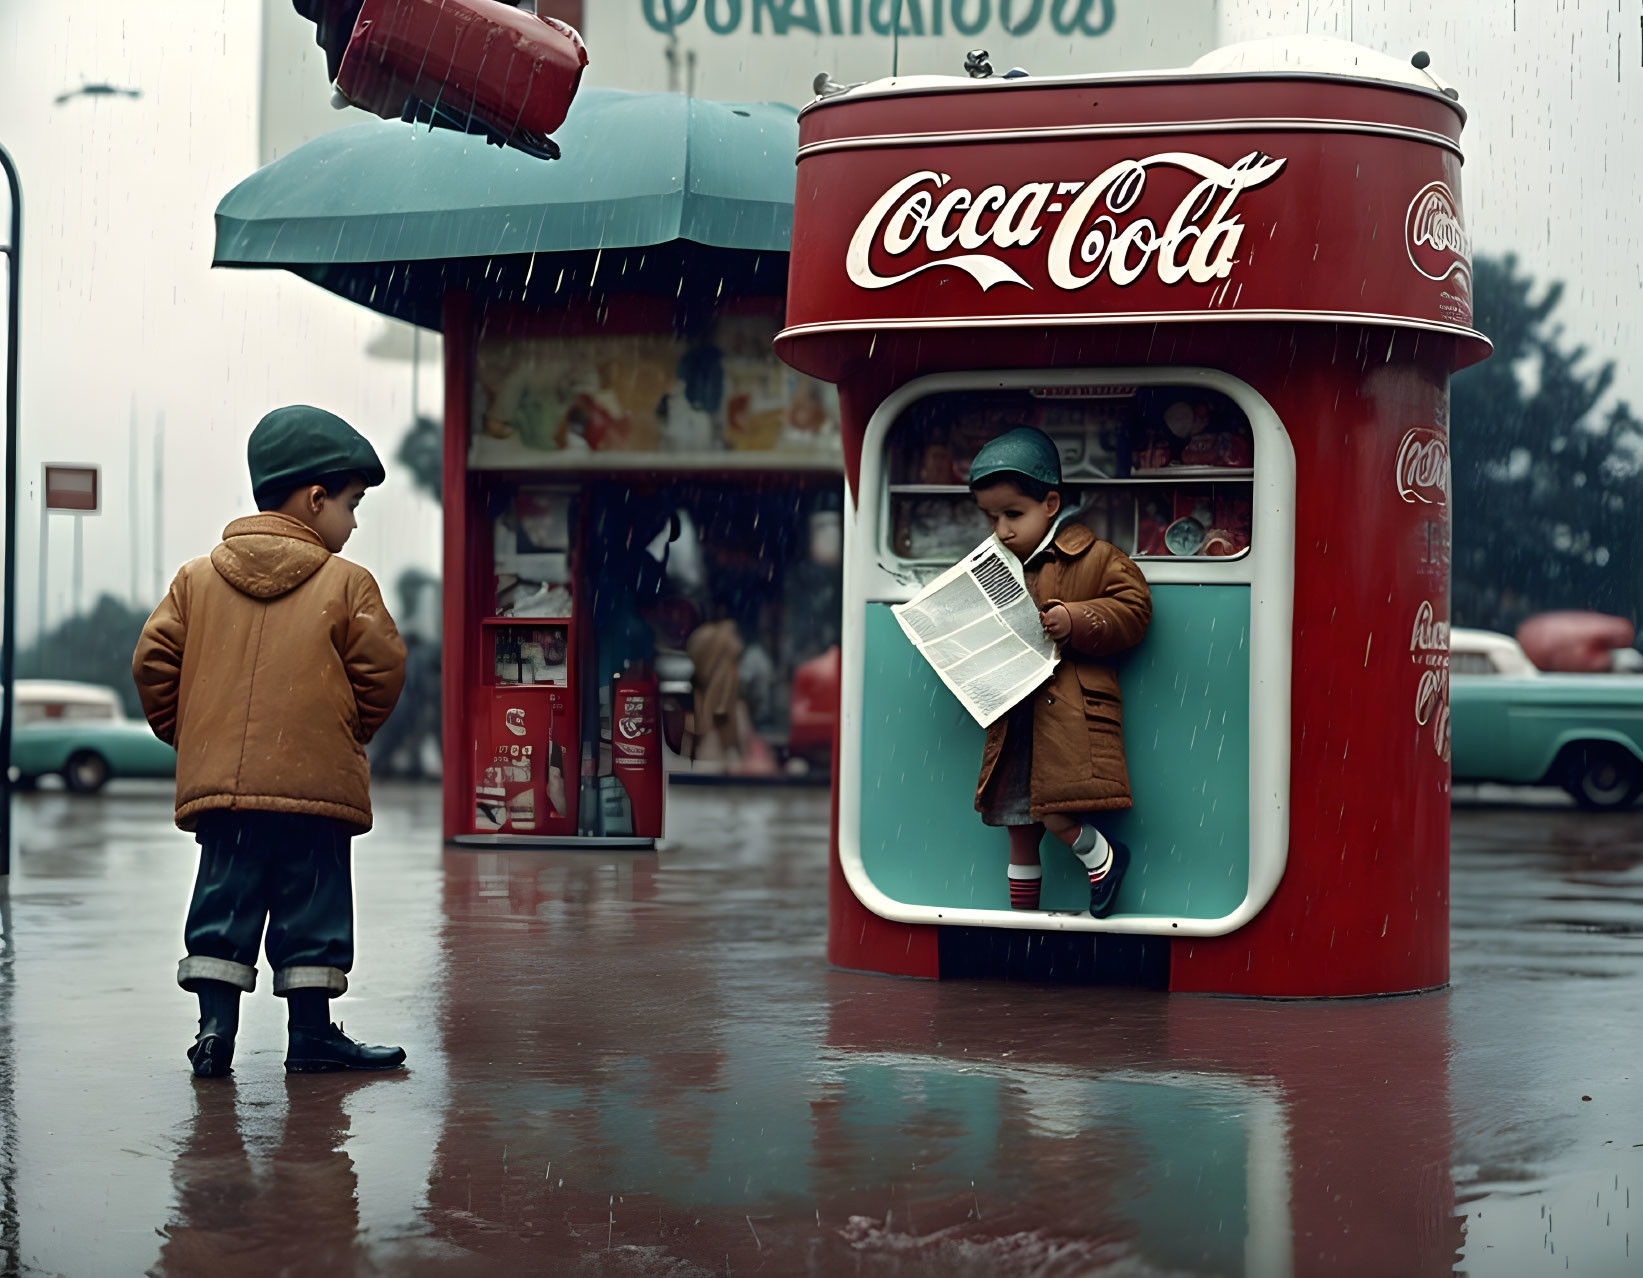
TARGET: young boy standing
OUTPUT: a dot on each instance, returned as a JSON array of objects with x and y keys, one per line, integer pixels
[
  {"x": 1058, "y": 756},
  {"x": 268, "y": 666}
]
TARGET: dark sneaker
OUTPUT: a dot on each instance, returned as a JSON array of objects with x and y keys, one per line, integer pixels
[
  {"x": 320, "y": 1051},
  {"x": 1104, "y": 892},
  {"x": 212, "y": 1056}
]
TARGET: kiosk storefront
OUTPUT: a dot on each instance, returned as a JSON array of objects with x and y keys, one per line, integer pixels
[
  {"x": 635, "y": 489},
  {"x": 634, "y": 507},
  {"x": 1234, "y": 296}
]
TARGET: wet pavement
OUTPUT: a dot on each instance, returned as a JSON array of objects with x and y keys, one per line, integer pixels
[{"x": 642, "y": 1064}]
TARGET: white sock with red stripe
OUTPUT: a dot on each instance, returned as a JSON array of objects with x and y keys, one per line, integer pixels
[
  {"x": 1094, "y": 851},
  {"x": 1024, "y": 884}
]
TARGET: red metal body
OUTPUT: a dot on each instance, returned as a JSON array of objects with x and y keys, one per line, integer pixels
[
  {"x": 511, "y": 71},
  {"x": 1299, "y": 232},
  {"x": 637, "y": 748}
]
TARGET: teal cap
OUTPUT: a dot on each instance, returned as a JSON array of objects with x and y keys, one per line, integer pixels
[
  {"x": 298, "y": 443},
  {"x": 1026, "y": 450}
]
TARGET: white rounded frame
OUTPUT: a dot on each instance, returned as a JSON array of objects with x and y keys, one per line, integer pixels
[{"x": 1268, "y": 569}]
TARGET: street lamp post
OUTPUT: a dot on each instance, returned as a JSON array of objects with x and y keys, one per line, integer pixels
[{"x": 8, "y": 624}]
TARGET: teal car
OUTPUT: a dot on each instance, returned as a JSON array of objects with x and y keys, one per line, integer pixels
[
  {"x": 79, "y": 731},
  {"x": 1512, "y": 724}
]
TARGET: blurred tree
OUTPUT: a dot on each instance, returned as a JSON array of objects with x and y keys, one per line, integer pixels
[
  {"x": 94, "y": 647},
  {"x": 422, "y": 452},
  {"x": 1541, "y": 476}
]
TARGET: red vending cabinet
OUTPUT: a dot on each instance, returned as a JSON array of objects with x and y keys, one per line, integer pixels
[
  {"x": 516, "y": 775},
  {"x": 636, "y": 740},
  {"x": 1234, "y": 295},
  {"x": 524, "y": 730}
]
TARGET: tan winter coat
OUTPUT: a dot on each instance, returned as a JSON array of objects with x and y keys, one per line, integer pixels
[
  {"x": 269, "y": 665},
  {"x": 1078, "y": 714}
]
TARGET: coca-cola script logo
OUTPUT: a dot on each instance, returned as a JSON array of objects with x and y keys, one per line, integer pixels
[
  {"x": 1423, "y": 467},
  {"x": 1432, "y": 708},
  {"x": 1198, "y": 240},
  {"x": 1436, "y": 237},
  {"x": 1429, "y": 650},
  {"x": 1428, "y": 636}
]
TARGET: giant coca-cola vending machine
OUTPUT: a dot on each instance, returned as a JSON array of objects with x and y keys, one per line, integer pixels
[{"x": 1233, "y": 295}]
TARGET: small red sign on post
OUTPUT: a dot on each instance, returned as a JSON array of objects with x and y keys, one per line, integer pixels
[{"x": 76, "y": 488}]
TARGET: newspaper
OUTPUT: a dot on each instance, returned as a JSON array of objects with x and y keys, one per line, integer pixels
[{"x": 979, "y": 627}]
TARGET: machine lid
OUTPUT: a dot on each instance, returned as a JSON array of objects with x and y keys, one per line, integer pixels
[
  {"x": 1282, "y": 57},
  {"x": 1315, "y": 55}
]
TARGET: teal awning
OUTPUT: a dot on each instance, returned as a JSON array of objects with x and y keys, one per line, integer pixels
[
  {"x": 351, "y": 208},
  {"x": 638, "y": 169}
]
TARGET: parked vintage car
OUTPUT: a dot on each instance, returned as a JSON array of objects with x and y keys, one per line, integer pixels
[
  {"x": 1513, "y": 724},
  {"x": 80, "y": 732}
]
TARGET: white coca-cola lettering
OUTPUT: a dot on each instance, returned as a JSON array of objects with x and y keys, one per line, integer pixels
[
  {"x": 1429, "y": 694},
  {"x": 1429, "y": 650},
  {"x": 1423, "y": 467},
  {"x": 1432, "y": 707},
  {"x": 1124, "y": 254},
  {"x": 1437, "y": 224},
  {"x": 1435, "y": 235},
  {"x": 1198, "y": 241},
  {"x": 1429, "y": 634}
]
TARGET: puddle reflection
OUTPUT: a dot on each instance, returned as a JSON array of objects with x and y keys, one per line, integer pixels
[
  {"x": 642, "y": 1064},
  {"x": 284, "y": 1188},
  {"x": 689, "y": 1096}
]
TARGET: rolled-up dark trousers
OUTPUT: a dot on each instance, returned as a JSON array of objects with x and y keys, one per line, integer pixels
[{"x": 286, "y": 871}]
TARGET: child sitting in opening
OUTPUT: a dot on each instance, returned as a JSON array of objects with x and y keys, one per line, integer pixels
[{"x": 1058, "y": 755}]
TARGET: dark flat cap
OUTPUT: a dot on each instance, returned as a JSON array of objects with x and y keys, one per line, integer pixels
[{"x": 298, "y": 443}]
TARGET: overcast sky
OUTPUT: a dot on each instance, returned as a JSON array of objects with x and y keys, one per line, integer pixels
[
  {"x": 121, "y": 303},
  {"x": 120, "y": 299}
]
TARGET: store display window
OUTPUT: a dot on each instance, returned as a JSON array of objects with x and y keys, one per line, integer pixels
[
  {"x": 533, "y": 655},
  {"x": 1161, "y": 472},
  {"x": 531, "y": 553}
]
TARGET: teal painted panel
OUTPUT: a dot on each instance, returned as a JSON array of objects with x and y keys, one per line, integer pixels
[{"x": 1186, "y": 733}]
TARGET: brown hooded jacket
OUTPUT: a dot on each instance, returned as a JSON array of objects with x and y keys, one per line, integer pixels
[
  {"x": 1078, "y": 713},
  {"x": 269, "y": 665}
]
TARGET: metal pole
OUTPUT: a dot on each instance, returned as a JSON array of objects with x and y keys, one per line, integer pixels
[
  {"x": 8, "y": 625},
  {"x": 40, "y": 620},
  {"x": 159, "y": 507},
  {"x": 79, "y": 562},
  {"x": 132, "y": 501}
]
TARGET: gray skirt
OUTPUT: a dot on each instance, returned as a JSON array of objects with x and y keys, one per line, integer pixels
[{"x": 1008, "y": 799}]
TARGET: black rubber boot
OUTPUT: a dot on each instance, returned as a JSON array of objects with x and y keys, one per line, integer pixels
[
  {"x": 212, "y": 1055},
  {"x": 1104, "y": 894},
  {"x": 315, "y": 1046}
]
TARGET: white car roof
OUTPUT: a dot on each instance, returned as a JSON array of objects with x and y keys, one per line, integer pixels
[
  {"x": 39, "y": 690},
  {"x": 1503, "y": 650}
]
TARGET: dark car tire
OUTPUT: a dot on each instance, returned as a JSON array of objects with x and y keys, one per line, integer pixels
[
  {"x": 86, "y": 773},
  {"x": 1603, "y": 777}
]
